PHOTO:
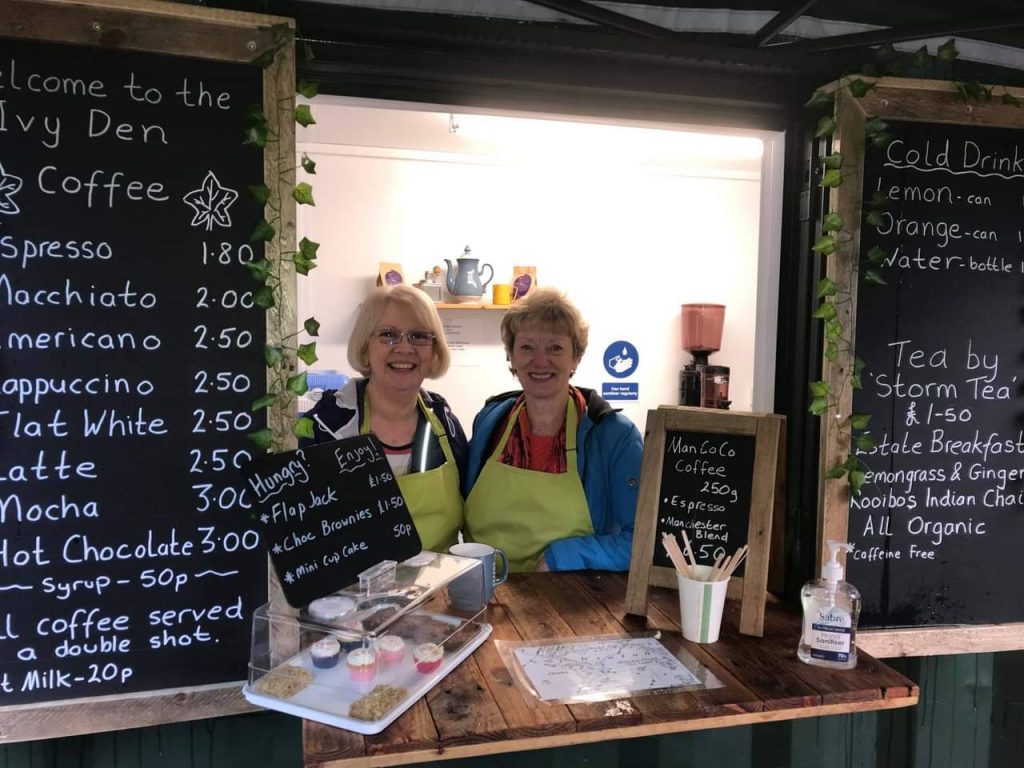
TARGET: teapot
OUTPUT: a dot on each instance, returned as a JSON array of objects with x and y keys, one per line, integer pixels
[{"x": 464, "y": 282}]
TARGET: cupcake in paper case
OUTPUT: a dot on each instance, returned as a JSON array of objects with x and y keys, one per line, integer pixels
[
  {"x": 330, "y": 609},
  {"x": 362, "y": 664},
  {"x": 325, "y": 652},
  {"x": 427, "y": 657},
  {"x": 390, "y": 649}
]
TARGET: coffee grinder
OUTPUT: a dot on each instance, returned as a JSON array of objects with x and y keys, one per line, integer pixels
[{"x": 700, "y": 383}]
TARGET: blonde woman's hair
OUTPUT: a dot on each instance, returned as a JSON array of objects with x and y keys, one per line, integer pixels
[
  {"x": 410, "y": 299},
  {"x": 546, "y": 308}
]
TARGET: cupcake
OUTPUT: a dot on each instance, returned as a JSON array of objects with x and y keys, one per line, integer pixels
[
  {"x": 427, "y": 657},
  {"x": 329, "y": 609},
  {"x": 390, "y": 649},
  {"x": 325, "y": 652},
  {"x": 362, "y": 664}
]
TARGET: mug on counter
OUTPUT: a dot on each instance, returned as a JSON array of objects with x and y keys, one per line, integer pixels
[{"x": 473, "y": 591}]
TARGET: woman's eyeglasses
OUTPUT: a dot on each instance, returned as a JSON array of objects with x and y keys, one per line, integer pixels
[{"x": 393, "y": 336}]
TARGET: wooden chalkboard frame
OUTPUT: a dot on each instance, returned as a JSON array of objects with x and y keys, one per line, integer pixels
[
  {"x": 910, "y": 100},
  {"x": 768, "y": 431},
  {"x": 203, "y": 33}
]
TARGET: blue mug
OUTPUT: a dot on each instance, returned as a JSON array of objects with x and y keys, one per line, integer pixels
[{"x": 474, "y": 590}]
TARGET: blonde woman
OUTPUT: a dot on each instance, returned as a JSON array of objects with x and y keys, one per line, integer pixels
[
  {"x": 396, "y": 343},
  {"x": 554, "y": 471}
]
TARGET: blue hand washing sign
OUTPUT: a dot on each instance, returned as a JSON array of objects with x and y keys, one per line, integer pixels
[{"x": 621, "y": 359}]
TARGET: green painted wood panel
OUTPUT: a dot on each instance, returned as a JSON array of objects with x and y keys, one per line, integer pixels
[{"x": 971, "y": 715}]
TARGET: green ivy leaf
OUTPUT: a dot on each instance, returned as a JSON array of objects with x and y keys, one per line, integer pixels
[
  {"x": 260, "y": 193},
  {"x": 262, "y": 437},
  {"x": 255, "y": 129},
  {"x": 826, "y": 127},
  {"x": 859, "y": 88},
  {"x": 877, "y": 200},
  {"x": 860, "y": 420},
  {"x": 302, "y": 264},
  {"x": 836, "y": 472},
  {"x": 264, "y": 297},
  {"x": 264, "y": 232},
  {"x": 852, "y": 463},
  {"x": 303, "y": 194},
  {"x": 835, "y": 160},
  {"x": 833, "y": 329},
  {"x": 307, "y": 353},
  {"x": 818, "y": 406},
  {"x": 856, "y": 480},
  {"x": 831, "y": 351},
  {"x": 297, "y": 384},
  {"x": 830, "y": 179},
  {"x": 875, "y": 125},
  {"x": 832, "y": 222},
  {"x": 974, "y": 91},
  {"x": 312, "y": 327},
  {"x": 308, "y": 164},
  {"x": 826, "y": 287},
  {"x": 874, "y": 277},
  {"x": 882, "y": 139},
  {"x": 259, "y": 270},
  {"x": 264, "y": 60},
  {"x": 825, "y": 245},
  {"x": 308, "y": 248},
  {"x": 874, "y": 218},
  {"x": 819, "y": 99},
  {"x": 273, "y": 355},
  {"x": 303, "y": 116},
  {"x": 1010, "y": 100},
  {"x": 307, "y": 89},
  {"x": 920, "y": 57},
  {"x": 819, "y": 388},
  {"x": 307, "y": 51},
  {"x": 876, "y": 255},
  {"x": 864, "y": 442},
  {"x": 303, "y": 428},
  {"x": 859, "y": 365},
  {"x": 855, "y": 382},
  {"x": 826, "y": 311},
  {"x": 947, "y": 51},
  {"x": 263, "y": 402}
]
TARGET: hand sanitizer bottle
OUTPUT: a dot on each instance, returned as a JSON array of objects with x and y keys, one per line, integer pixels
[{"x": 831, "y": 609}]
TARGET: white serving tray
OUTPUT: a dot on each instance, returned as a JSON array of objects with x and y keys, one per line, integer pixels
[{"x": 328, "y": 698}]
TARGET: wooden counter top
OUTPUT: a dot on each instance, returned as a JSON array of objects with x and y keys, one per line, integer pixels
[{"x": 478, "y": 709}]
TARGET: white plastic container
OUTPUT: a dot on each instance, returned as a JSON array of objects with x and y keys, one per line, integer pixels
[{"x": 831, "y": 610}]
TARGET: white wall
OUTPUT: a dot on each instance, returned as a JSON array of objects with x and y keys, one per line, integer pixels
[{"x": 630, "y": 222}]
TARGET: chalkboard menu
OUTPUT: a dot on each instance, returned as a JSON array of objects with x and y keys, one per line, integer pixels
[
  {"x": 328, "y": 513},
  {"x": 130, "y": 350},
  {"x": 713, "y": 474},
  {"x": 705, "y": 491},
  {"x": 939, "y": 523}
]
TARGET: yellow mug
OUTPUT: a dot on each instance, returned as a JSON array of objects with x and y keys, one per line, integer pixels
[{"x": 502, "y": 293}]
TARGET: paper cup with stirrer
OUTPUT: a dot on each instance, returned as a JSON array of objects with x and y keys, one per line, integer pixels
[{"x": 702, "y": 591}]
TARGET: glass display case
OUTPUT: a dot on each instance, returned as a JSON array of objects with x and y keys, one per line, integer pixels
[{"x": 358, "y": 658}]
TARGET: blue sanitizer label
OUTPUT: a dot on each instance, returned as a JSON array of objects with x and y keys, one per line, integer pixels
[{"x": 828, "y": 634}]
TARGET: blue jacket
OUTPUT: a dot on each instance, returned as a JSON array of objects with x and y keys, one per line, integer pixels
[{"x": 609, "y": 450}]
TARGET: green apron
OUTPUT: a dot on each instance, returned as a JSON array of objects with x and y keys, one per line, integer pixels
[
  {"x": 433, "y": 496},
  {"x": 522, "y": 510}
]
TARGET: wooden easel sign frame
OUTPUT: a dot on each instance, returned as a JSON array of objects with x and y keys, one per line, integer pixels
[{"x": 768, "y": 433}]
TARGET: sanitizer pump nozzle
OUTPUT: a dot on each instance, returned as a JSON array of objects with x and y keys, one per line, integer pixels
[{"x": 832, "y": 571}]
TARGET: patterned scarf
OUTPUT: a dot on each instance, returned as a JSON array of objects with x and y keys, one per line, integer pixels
[{"x": 517, "y": 449}]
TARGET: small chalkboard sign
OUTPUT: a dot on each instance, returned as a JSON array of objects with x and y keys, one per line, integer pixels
[
  {"x": 328, "y": 513},
  {"x": 713, "y": 475}
]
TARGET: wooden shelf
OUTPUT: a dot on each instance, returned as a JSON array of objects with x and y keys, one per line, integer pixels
[{"x": 471, "y": 305}]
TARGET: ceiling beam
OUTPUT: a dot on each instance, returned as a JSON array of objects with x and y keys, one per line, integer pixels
[
  {"x": 606, "y": 18},
  {"x": 902, "y": 34},
  {"x": 780, "y": 21}
]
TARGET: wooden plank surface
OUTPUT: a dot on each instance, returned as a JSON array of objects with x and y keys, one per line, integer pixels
[{"x": 481, "y": 709}]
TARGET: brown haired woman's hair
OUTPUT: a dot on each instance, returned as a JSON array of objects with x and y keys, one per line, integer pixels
[
  {"x": 545, "y": 308},
  {"x": 410, "y": 299}
]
